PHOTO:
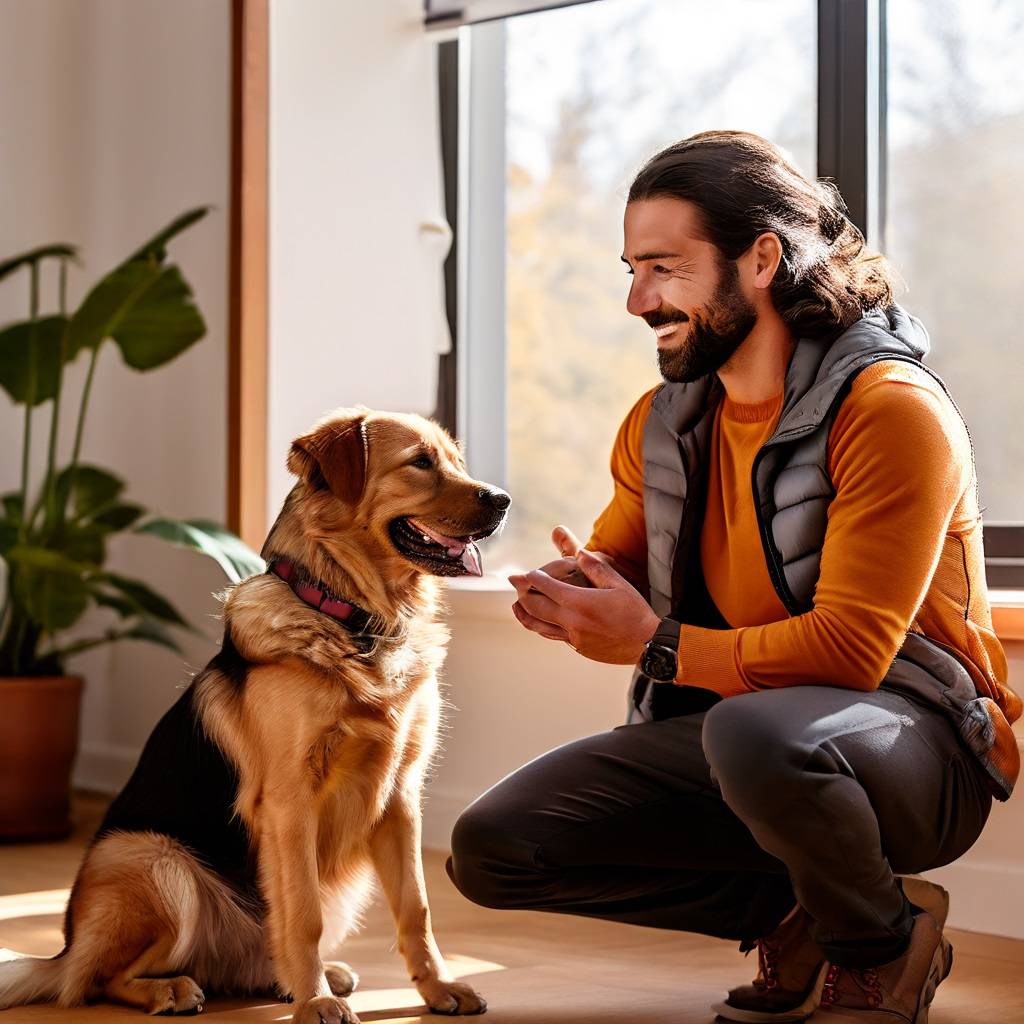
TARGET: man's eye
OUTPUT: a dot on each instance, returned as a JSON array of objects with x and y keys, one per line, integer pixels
[
  {"x": 662, "y": 270},
  {"x": 422, "y": 462}
]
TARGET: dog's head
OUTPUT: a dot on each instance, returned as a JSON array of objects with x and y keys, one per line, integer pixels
[{"x": 397, "y": 484}]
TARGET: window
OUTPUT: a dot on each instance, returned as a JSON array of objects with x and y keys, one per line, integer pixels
[
  {"x": 956, "y": 224},
  {"x": 590, "y": 93},
  {"x": 915, "y": 108}
]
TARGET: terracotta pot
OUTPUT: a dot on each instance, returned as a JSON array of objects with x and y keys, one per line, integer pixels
[{"x": 38, "y": 743}]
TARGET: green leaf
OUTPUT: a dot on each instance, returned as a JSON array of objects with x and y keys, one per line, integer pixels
[
  {"x": 89, "y": 487},
  {"x": 34, "y": 255},
  {"x": 147, "y": 309},
  {"x": 50, "y": 561},
  {"x": 144, "y": 306},
  {"x": 49, "y": 586},
  {"x": 17, "y": 351},
  {"x": 147, "y": 599},
  {"x": 124, "y": 607},
  {"x": 156, "y": 247},
  {"x": 84, "y": 542},
  {"x": 8, "y": 535},
  {"x": 231, "y": 553},
  {"x": 105, "y": 306},
  {"x": 11, "y": 504},
  {"x": 162, "y": 325},
  {"x": 119, "y": 517}
]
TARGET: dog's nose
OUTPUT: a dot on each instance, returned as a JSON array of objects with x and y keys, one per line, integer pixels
[{"x": 495, "y": 497}]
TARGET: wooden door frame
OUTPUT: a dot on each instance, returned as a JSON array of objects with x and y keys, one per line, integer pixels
[{"x": 247, "y": 332}]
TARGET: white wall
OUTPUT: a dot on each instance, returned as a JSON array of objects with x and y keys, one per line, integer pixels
[
  {"x": 357, "y": 236},
  {"x": 115, "y": 118}
]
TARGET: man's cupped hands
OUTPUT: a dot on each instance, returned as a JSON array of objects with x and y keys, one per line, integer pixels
[{"x": 583, "y": 601}]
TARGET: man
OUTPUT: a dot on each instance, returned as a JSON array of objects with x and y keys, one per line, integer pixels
[{"x": 793, "y": 559}]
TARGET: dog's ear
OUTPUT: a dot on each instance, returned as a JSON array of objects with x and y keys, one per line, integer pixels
[{"x": 334, "y": 455}]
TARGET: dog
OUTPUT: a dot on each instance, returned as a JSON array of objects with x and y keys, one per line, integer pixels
[{"x": 291, "y": 768}]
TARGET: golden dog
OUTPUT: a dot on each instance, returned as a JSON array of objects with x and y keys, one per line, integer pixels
[{"x": 292, "y": 766}]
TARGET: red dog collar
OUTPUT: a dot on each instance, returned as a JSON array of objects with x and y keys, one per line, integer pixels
[{"x": 317, "y": 596}]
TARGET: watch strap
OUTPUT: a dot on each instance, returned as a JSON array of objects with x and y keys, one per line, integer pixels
[
  {"x": 660, "y": 660},
  {"x": 667, "y": 633}
]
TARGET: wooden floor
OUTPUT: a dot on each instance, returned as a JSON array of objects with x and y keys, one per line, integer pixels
[{"x": 532, "y": 968}]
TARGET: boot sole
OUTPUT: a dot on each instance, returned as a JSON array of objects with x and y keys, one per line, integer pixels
[
  {"x": 798, "y": 1013},
  {"x": 942, "y": 964}
]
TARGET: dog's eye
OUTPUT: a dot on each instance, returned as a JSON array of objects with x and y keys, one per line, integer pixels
[{"x": 422, "y": 462}]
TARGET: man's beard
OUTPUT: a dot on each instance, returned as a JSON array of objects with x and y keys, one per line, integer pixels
[{"x": 716, "y": 331}]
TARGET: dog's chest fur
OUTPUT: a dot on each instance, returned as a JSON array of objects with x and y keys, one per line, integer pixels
[{"x": 347, "y": 737}]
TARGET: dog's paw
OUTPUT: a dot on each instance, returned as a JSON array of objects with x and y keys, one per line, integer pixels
[
  {"x": 176, "y": 996},
  {"x": 340, "y": 977},
  {"x": 451, "y": 998},
  {"x": 325, "y": 1010}
]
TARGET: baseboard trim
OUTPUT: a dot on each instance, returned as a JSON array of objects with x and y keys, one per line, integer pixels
[
  {"x": 985, "y": 896},
  {"x": 103, "y": 767}
]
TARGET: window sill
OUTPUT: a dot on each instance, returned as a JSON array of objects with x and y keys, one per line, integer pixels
[
  {"x": 1008, "y": 613},
  {"x": 490, "y": 597}
]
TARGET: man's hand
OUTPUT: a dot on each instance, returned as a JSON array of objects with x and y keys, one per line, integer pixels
[
  {"x": 604, "y": 620},
  {"x": 567, "y": 568}
]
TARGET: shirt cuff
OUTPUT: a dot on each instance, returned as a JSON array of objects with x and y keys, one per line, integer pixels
[{"x": 707, "y": 658}]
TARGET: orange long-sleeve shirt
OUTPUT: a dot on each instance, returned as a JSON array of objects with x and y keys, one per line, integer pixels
[{"x": 902, "y": 548}]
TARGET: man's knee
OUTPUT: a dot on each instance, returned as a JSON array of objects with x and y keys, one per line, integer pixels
[
  {"x": 750, "y": 748},
  {"x": 486, "y": 864}
]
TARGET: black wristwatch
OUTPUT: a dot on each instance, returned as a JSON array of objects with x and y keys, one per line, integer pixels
[{"x": 660, "y": 660}]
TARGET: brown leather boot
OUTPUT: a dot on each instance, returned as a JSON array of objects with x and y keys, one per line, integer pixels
[
  {"x": 791, "y": 971},
  {"x": 898, "y": 992},
  {"x": 927, "y": 895}
]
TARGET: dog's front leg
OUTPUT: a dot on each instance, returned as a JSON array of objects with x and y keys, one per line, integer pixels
[
  {"x": 291, "y": 886},
  {"x": 395, "y": 848}
]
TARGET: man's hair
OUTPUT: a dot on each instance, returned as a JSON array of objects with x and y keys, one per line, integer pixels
[{"x": 744, "y": 186}]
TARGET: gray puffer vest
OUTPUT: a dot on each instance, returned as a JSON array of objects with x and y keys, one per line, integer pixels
[{"x": 791, "y": 491}]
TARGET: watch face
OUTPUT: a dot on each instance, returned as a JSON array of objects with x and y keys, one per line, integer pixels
[{"x": 660, "y": 663}]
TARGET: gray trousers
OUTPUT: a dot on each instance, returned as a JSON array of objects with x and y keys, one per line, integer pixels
[{"x": 718, "y": 822}]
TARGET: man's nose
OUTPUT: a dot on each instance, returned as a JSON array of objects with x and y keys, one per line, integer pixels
[{"x": 642, "y": 299}]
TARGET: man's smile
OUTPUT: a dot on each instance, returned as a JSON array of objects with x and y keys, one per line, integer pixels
[
  {"x": 666, "y": 329},
  {"x": 666, "y": 332}
]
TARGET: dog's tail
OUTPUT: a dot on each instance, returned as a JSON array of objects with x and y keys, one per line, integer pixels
[{"x": 30, "y": 979}]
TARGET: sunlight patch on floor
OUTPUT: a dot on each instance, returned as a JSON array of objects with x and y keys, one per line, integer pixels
[
  {"x": 462, "y": 966},
  {"x": 29, "y": 904}
]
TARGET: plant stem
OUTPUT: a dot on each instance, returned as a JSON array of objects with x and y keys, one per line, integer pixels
[
  {"x": 81, "y": 415},
  {"x": 26, "y": 446},
  {"x": 49, "y": 484}
]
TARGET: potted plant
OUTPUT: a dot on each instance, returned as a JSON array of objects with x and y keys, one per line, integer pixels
[{"x": 54, "y": 535}]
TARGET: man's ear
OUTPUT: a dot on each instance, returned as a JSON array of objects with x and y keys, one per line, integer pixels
[{"x": 333, "y": 455}]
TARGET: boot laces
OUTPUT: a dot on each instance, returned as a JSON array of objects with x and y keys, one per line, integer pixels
[
  {"x": 865, "y": 978},
  {"x": 767, "y": 965}
]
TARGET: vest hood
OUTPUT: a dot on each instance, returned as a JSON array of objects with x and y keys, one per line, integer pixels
[{"x": 820, "y": 367}]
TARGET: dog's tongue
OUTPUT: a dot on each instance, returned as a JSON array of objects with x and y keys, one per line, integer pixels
[{"x": 471, "y": 559}]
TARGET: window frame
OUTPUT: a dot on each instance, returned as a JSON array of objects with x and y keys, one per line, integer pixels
[{"x": 851, "y": 151}]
